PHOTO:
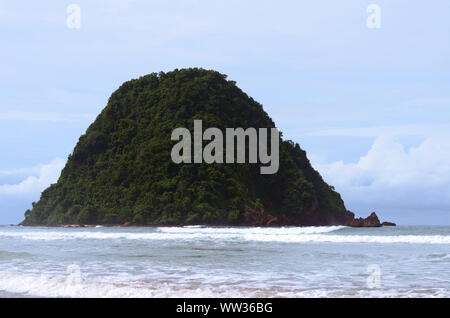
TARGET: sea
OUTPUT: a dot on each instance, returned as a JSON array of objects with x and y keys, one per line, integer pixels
[{"x": 200, "y": 261}]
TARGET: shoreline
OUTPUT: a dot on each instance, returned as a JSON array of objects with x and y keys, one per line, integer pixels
[
  {"x": 187, "y": 225},
  {"x": 163, "y": 225},
  {"x": 370, "y": 221}
]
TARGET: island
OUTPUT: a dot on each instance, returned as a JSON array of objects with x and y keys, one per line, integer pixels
[{"x": 121, "y": 171}]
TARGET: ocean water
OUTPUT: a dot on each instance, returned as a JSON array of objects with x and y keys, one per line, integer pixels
[{"x": 201, "y": 261}]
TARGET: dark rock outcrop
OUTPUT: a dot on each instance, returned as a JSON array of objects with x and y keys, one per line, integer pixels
[
  {"x": 371, "y": 221},
  {"x": 311, "y": 217},
  {"x": 257, "y": 217}
]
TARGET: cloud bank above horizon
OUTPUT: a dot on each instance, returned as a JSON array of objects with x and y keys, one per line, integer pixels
[
  {"x": 392, "y": 177},
  {"x": 17, "y": 197}
]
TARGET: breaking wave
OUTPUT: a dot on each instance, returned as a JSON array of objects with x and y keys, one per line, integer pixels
[
  {"x": 329, "y": 234},
  {"x": 413, "y": 239},
  {"x": 46, "y": 285}
]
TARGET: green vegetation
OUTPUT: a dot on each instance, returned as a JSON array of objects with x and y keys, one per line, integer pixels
[{"x": 121, "y": 169}]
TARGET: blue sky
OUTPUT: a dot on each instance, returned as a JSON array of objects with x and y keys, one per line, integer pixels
[{"x": 370, "y": 106}]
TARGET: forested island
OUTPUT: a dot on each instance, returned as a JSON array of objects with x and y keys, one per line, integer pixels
[{"x": 121, "y": 169}]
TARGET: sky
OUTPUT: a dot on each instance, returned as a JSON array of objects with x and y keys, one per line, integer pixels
[{"x": 370, "y": 105}]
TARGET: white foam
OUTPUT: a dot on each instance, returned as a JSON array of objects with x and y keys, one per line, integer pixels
[
  {"x": 253, "y": 230},
  {"x": 63, "y": 286},
  {"x": 413, "y": 239},
  {"x": 166, "y": 233},
  {"x": 282, "y": 235},
  {"x": 53, "y": 235},
  {"x": 59, "y": 285}
]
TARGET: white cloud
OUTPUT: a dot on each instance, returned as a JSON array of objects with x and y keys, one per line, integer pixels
[
  {"x": 392, "y": 176},
  {"x": 34, "y": 184}
]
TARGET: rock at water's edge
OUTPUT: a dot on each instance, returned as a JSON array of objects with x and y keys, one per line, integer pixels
[{"x": 371, "y": 221}]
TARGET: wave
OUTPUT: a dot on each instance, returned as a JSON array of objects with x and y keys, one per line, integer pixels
[
  {"x": 412, "y": 239},
  {"x": 324, "y": 234},
  {"x": 63, "y": 286},
  {"x": 438, "y": 257},
  {"x": 51, "y": 236},
  {"x": 167, "y": 233},
  {"x": 60, "y": 285},
  {"x": 252, "y": 230}
]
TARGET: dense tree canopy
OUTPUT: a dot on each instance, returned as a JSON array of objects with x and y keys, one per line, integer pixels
[{"x": 121, "y": 169}]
